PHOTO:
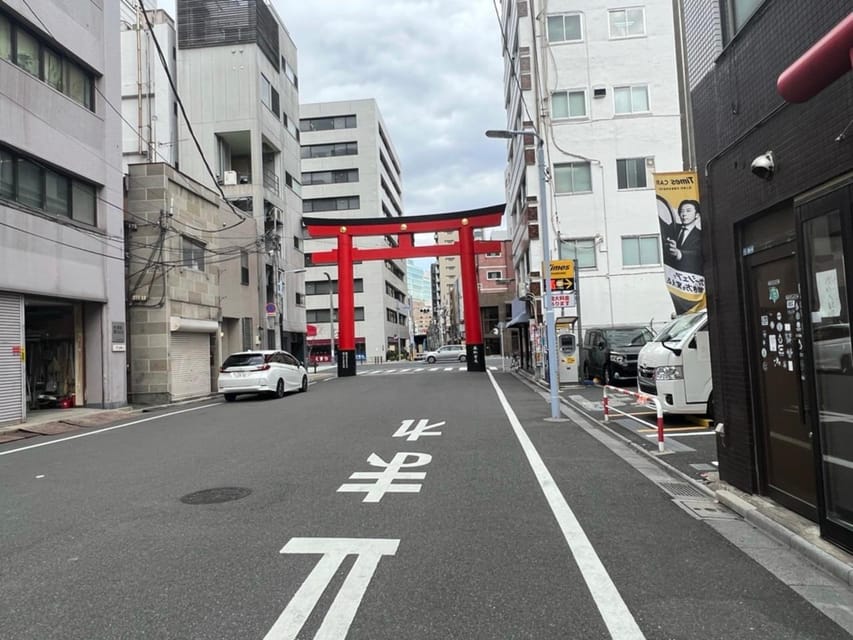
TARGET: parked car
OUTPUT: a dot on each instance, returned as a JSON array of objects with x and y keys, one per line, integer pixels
[
  {"x": 261, "y": 372},
  {"x": 447, "y": 353},
  {"x": 832, "y": 350},
  {"x": 611, "y": 354}
]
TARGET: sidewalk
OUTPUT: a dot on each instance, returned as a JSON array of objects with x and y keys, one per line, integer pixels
[
  {"x": 785, "y": 526},
  {"x": 50, "y": 422}
]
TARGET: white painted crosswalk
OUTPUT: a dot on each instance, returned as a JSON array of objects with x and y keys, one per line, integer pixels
[{"x": 411, "y": 371}]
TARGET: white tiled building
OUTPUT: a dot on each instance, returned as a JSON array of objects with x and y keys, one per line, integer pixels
[
  {"x": 601, "y": 86},
  {"x": 351, "y": 170}
]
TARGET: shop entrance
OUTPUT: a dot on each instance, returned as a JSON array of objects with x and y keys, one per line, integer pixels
[
  {"x": 54, "y": 354},
  {"x": 775, "y": 322}
]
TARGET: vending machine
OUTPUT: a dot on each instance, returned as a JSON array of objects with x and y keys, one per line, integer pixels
[{"x": 568, "y": 351}]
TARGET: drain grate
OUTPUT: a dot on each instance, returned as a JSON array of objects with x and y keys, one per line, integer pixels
[
  {"x": 212, "y": 496},
  {"x": 706, "y": 510},
  {"x": 681, "y": 490}
]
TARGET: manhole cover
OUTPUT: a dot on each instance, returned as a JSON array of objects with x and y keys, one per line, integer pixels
[{"x": 212, "y": 496}]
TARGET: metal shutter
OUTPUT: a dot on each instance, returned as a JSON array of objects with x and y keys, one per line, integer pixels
[
  {"x": 11, "y": 365},
  {"x": 190, "y": 363}
]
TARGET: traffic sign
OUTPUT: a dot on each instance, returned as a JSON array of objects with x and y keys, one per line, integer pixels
[
  {"x": 562, "y": 284},
  {"x": 271, "y": 309}
]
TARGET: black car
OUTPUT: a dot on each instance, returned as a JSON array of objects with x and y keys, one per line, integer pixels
[{"x": 611, "y": 354}]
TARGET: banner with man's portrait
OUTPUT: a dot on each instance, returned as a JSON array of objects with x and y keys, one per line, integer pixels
[{"x": 681, "y": 238}]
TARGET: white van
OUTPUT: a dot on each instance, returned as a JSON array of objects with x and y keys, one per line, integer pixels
[{"x": 676, "y": 366}]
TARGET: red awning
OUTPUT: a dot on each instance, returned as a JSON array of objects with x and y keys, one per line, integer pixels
[{"x": 829, "y": 59}]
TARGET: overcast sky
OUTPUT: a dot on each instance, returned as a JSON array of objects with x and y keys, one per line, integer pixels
[{"x": 435, "y": 70}]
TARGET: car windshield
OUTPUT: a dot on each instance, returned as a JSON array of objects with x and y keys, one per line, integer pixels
[
  {"x": 679, "y": 328},
  {"x": 628, "y": 337},
  {"x": 244, "y": 360}
]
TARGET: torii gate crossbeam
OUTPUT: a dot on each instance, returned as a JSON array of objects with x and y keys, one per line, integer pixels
[{"x": 463, "y": 222}]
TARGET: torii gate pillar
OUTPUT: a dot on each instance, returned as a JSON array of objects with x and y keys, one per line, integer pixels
[{"x": 474, "y": 349}]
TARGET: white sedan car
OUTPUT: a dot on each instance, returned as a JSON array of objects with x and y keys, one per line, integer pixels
[{"x": 261, "y": 372}]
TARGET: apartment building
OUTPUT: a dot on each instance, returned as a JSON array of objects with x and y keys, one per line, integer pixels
[
  {"x": 449, "y": 310},
  {"x": 420, "y": 304},
  {"x": 777, "y": 186},
  {"x": 239, "y": 86},
  {"x": 599, "y": 87},
  {"x": 62, "y": 317},
  {"x": 350, "y": 169},
  {"x": 496, "y": 283}
]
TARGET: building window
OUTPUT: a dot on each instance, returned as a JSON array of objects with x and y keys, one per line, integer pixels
[
  {"x": 244, "y": 267},
  {"x": 247, "y": 331},
  {"x": 300, "y": 299},
  {"x": 275, "y": 106},
  {"x": 330, "y": 177},
  {"x": 193, "y": 253},
  {"x": 494, "y": 275},
  {"x": 631, "y": 173},
  {"x": 631, "y": 99},
  {"x": 580, "y": 249},
  {"x": 493, "y": 255},
  {"x": 289, "y": 72},
  {"x": 565, "y": 28},
  {"x": 328, "y": 123},
  {"x": 19, "y": 46},
  {"x": 330, "y": 204},
  {"x": 568, "y": 104},
  {"x": 572, "y": 177},
  {"x": 297, "y": 243},
  {"x": 627, "y": 23},
  {"x": 32, "y": 184},
  {"x": 737, "y": 14},
  {"x": 330, "y": 150},
  {"x": 640, "y": 250}
]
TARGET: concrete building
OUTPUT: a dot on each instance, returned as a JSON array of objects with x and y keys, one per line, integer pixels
[
  {"x": 496, "y": 283},
  {"x": 601, "y": 87},
  {"x": 448, "y": 285},
  {"x": 62, "y": 317},
  {"x": 148, "y": 105},
  {"x": 190, "y": 302},
  {"x": 780, "y": 247},
  {"x": 237, "y": 78},
  {"x": 350, "y": 169},
  {"x": 420, "y": 302}
]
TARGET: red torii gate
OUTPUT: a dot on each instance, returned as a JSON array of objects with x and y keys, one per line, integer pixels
[{"x": 344, "y": 229}]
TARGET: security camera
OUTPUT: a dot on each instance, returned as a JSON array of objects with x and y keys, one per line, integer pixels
[{"x": 764, "y": 166}]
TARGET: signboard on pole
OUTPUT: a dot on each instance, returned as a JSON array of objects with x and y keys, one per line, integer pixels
[{"x": 271, "y": 309}]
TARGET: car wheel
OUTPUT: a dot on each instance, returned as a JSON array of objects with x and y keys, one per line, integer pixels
[
  {"x": 845, "y": 365},
  {"x": 462, "y": 358},
  {"x": 431, "y": 360},
  {"x": 279, "y": 389},
  {"x": 230, "y": 397},
  {"x": 304, "y": 387}
]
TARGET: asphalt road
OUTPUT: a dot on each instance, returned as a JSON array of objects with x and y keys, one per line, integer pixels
[{"x": 503, "y": 526}]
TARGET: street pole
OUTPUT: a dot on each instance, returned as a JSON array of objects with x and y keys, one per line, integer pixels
[
  {"x": 550, "y": 323},
  {"x": 331, "y": 320},
  {"x": 502, "y": 327}
]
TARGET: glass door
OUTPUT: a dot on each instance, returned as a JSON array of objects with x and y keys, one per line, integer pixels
[{"x": 826, "y": 271}]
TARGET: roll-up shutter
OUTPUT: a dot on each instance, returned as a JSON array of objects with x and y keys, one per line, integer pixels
[
  {"x": 190, "y": 364},
  {"x": 11, "y": 364}
]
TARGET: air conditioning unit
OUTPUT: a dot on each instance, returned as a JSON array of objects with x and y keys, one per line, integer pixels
[{"x": 229, "y": 177}]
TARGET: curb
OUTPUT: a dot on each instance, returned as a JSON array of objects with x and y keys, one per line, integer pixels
[{"x": 752, "y": 514}]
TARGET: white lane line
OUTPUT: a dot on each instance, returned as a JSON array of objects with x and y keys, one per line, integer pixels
[
  {"x": 118, "y": 426},
  {"x": 435, "y": 368},
  {"x": 619, "y": 620},
  {"x": 448, "y": 368},
  {"x": 404, "y": 370}
]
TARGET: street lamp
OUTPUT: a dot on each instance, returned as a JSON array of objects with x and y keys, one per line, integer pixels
[
  {"x": 331, "y": 319},
  {"x": 550, "y": 322}
]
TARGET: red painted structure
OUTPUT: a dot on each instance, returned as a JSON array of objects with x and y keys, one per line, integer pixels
[
  {"x": 463, "y": 222},
  {"x": 829, "y": 59}
]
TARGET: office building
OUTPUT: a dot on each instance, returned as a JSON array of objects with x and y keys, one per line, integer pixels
[
  {"x": 62, "y": 316},
  {"x": 350, "y": 169}
]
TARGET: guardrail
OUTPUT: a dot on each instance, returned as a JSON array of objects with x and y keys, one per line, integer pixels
[{"x": 643, "y": 400}]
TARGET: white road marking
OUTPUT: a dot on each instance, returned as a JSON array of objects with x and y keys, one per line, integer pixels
[
  {"x": 404, "y": 370},
  {"x": 383, "y": 481},
  {"x": 435, "y": 368},
  {"x": 415, "y": 431},
  {"x": 118, "y": 426},
  {"x": 615, "y": 613},
  {"x": 448, "y": 368},
  {"x": 341, "y": 613}
]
